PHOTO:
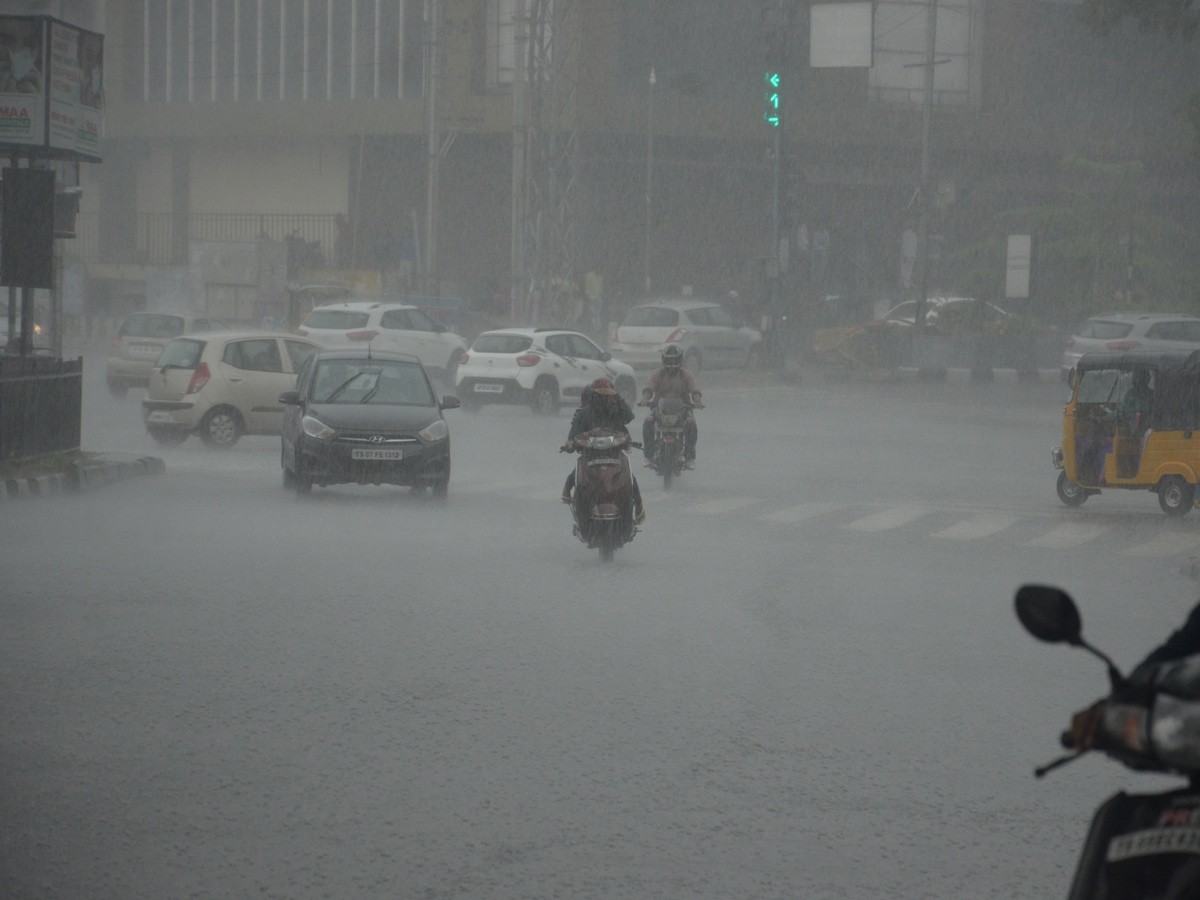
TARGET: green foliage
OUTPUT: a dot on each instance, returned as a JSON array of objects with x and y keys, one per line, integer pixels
[{"x": 1175, "y": 18}]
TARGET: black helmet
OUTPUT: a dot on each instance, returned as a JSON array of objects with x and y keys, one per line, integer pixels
[{"x": 672, "y": 356}]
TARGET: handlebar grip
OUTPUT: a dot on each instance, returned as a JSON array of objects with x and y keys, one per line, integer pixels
[{"x": 1067, "y": 740}]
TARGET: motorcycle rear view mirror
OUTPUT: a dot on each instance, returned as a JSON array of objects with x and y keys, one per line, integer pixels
[{"x": 1049, "y": 614}]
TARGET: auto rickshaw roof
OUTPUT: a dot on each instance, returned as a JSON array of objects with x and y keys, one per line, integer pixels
[{"x": 1140, "y": 359}]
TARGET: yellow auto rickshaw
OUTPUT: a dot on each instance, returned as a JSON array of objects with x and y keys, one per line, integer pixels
[{"x": 1133, "y": 422}]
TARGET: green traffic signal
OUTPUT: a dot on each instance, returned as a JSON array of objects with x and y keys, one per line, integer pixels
[{"x": 772, "y": 116}]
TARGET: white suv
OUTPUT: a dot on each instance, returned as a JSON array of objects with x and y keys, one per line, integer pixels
[
  {"x": 386, "y": 325},
  {"x": 704, "y": 330},
  {"x": 1119, "y": 332},
  {"x": 537, "y": 366}
]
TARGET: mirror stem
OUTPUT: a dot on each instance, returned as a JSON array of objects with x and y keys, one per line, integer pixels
[{"x": 1115, "y": 678}]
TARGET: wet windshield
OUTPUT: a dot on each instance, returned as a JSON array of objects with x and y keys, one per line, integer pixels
[
  {"x": 379, "y": 382},
  {"x": 1099, "y": 386}
]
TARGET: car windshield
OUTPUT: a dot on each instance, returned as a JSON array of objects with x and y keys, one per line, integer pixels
[
  {"x": 151, "y": 325},
  {"x": 184, "y": 354},
  {"x": 651, "y": 317},
  {"x": 502, "y": 343},
  {"x": 374, "y": 381},
  {"x": 1104, "y": 331},
  {"x": 336, "y": 319}
]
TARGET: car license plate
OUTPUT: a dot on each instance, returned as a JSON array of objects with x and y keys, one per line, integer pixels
[
  {"x": 376, "y": 454},
  {"x": 145, "y": 349},
  {"x": 159, "y": 416},
  {"x": 489, "y": 389}
]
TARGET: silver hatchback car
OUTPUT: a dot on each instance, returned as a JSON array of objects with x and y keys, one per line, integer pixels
[
  {"x": 1120, "y": 332},
  {"x": 704, "y": 330}
]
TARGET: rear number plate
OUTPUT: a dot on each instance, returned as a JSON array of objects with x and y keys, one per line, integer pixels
[
  {"x": 145, "y": 349},
  {"x": 489, "y": 389},
  {"x": 376, "y": 454},
  {"x": 159, "y": 417}
]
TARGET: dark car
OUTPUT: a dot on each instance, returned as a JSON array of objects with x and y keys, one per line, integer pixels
[{"x": 365, "y": 417}]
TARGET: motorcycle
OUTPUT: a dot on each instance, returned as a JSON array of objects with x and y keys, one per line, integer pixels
[
  {"x": 1140, "y": 846},
  {"x": 602, "y": 504},
  {"x": 670, "y": 418}
]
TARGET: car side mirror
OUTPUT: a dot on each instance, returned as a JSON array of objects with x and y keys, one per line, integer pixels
[
  {"x": 449, "y": 401},
  {"x": 290, "y": 398},
  {"x": 440, "y": 328},
  {"x": 605, "y": 356}
]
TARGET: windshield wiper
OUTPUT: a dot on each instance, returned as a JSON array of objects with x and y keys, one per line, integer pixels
[
  {"x": 341, "y": 387},
  {"x": 371, "y": 393}
]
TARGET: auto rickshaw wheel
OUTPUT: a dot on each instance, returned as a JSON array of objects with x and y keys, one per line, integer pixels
[
  {"x": 1069, "y": 492},
  {"x": 1175, "y": 495}
]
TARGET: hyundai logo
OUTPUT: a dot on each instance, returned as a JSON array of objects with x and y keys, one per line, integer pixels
[{"x": 377, "y": 439}]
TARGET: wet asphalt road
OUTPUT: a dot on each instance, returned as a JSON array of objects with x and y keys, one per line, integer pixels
[{"x": 803, "y": 679}]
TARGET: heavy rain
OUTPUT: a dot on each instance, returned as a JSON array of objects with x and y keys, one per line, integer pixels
[{"x": 232, "y": 666}]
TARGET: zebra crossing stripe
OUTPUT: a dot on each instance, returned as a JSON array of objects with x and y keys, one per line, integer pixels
[
  {"x": 1071, "y": 534},
  {"x": 716, "y": 507},
  {"x": 1169, "y": 543},
  {"x": 975, "y": 528},
  {"x": 801, "y": 513},
  {"x": 889, "y": 518}
]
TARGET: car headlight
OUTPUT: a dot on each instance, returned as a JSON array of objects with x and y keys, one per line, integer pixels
[
  {"x": 315, "y": 428},
  {"x": 435, "y": 432}
]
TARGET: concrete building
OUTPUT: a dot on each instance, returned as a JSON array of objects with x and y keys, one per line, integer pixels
[{"x": 231, "y": 120}]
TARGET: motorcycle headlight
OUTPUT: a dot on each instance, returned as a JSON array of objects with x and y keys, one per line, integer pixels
[
  {"x": 435, "y": 432},
  {"x": 315, "y": 428}
]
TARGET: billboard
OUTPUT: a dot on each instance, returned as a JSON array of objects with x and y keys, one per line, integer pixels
[{"x": 51, "y": 88}]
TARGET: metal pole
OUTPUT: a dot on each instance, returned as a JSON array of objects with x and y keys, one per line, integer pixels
[
  {"x": 923, "y": 222},
  {"x": 519, "y": 138},
  {"x": 649, "y": 175},
  {"x": 432, "y": 67}
]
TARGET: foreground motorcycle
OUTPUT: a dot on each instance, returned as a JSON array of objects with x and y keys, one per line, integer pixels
[
  {"x": 1140, "y": 846},
  {"x": 602, "y": 504},
  {"x": 670, "y": 418}
]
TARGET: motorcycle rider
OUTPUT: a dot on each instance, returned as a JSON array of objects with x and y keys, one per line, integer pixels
[
  {"x": 672, "y": 381},
  {"x": 601, "y": 407},
  {"x": 1185, "y": 641}
]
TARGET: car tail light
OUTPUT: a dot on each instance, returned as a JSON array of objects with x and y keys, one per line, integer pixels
[
  {"x": 1070, "y": 342},
  {"x": 676, "y": 335},
  {"x": 462, "y": 358},
  {"x": 199, "y": 378},
  {"x": 116, "y": 341},
  {"x": 362, "y": 335},
  {"x": 529, "y": 359},
  {"x": 303, "y": 332},
  {"x": 616, "y": 335},
  {"x": 1118, "y": 346}
]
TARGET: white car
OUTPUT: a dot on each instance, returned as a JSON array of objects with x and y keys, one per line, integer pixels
[
  {"x": 1119, "y": 332},
  {"x": 704, "y": 330},
  {"x": 386, "y": 325},
  {"x": 540, "y": 367}
]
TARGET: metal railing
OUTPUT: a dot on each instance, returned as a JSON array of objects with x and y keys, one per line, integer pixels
[
  {"x": 41, "y": 403},
  {"x": 161, "y": 239}
]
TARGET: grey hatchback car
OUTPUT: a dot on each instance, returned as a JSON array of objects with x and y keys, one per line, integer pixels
[{"x": 1121, "y": 332}]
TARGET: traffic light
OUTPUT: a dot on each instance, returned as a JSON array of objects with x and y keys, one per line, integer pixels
[{"x": 773, "y": 115}]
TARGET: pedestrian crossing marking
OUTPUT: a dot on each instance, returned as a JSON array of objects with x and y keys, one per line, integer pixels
[
  {"x": 977, "y": 527},
  {"x": 801, "y": 513},
  {"x": 1169, "y": 543},
  {"x": 889, "y": 518},
  {"x": 1071, "y": 534},
  {"x": 727, "y": 504}
]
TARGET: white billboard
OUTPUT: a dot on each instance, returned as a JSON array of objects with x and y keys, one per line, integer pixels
[{"x": 841, "y": 35}]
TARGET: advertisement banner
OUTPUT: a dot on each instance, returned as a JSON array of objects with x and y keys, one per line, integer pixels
[
  {"x": 76, "y": 89},
  {"x": 22, "y": 81}
]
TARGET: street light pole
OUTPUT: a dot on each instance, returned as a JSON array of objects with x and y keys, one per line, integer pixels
[
  {"x": 649, "y": 174},
  {"x": 923, "y": 222}
]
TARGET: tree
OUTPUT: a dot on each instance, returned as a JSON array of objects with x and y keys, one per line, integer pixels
[{"x": 1175, "y": 18}]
